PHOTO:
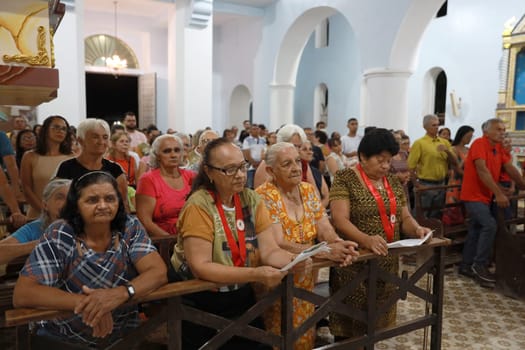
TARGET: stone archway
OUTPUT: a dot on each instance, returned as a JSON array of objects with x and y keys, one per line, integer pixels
[{"x": 282, "y": 87}]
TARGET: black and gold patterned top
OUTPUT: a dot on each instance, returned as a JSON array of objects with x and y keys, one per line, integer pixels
[{"x": 364, "y": 212}]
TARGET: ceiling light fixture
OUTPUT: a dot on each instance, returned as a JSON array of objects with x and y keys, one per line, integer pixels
[{"x": 115, "y": 62}]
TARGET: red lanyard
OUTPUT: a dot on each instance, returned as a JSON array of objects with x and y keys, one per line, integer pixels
[
  {"x": 388, "y": 225},
  {"x": 238, "y": 250}
]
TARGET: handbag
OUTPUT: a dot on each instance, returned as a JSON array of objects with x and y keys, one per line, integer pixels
[{"x": 453, "y": 216}]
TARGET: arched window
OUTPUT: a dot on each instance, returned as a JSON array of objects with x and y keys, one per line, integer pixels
[
  {"x": 98, "y": 47},
  {"x": 440, "y": 98},
  {"x": 322, "y": 34}
]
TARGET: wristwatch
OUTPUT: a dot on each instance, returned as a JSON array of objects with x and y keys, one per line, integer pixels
[{"x": 131, "y": 290}]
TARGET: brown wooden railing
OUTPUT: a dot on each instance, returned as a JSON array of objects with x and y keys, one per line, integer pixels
[{"x": 175, "y": 310}]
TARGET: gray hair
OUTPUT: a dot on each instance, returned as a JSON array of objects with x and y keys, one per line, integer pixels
[
  {"x": 271, "y": 153},
  {"x": 286, "y": 133},
  {"x": 153, "y": 161},
  {"x": 205, "y": 133},
  {"x": 91, "y": 124},
  {"x": 428, "y": 119},
  {"x": 182, "y": 135},
  {"x": 486, "y": 125},
  {"x": 48, "y": 192}
]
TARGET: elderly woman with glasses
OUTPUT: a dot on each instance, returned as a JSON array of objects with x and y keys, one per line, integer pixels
[
  {"x": 162, "y": 191},
  {"x": 38, "y": 166},
  {"x": 225, "y": 235},
  {"x": 92, "y": 262},
  {"x": 299, "y": 220}
]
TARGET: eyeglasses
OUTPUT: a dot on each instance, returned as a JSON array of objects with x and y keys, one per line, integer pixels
[
  {"x": 58, "y": 128},
  {"x": 232, "y": 170}
]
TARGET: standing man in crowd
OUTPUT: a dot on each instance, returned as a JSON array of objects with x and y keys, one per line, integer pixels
[
  {"x": 428, "y": 161},
  {"x": 485, "y": 161},
  {"x": 351, "y": 141},
  {"x": 253, "y": 148},
  {"x": 137, "y": 137},
  {"x": 246, "y": 131}
]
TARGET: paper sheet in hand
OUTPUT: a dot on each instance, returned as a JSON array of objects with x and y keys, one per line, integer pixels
[
  {"x": 413, "y": 242},
  {"x": 305, "y": 254}
]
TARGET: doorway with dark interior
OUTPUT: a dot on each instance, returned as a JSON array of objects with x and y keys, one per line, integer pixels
[{"x": 108, "y": 97}]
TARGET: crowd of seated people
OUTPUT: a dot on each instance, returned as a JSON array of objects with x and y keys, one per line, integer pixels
[{"x": 190, "y": 187}]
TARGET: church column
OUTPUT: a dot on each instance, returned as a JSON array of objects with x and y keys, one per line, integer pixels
[
  {"x": 281, "y": 104},
  {"x": 190, "y": 45},
  {"x": 384, "y": 98}
]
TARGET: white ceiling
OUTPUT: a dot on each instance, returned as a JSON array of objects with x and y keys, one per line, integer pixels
[
  {"x": 159, "y": 10},
  {"x": 252, "y": 3},
  {"x": 142, "y": 8},
  {"x": 155, "y": 8}
]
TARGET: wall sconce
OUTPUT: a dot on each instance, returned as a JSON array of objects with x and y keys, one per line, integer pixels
[{"x": 455, "y": 102}]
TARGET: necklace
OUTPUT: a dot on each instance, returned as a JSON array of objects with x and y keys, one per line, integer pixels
[
  {"x": 379, "y": 185},
  {"x": 290, "y": 195}
]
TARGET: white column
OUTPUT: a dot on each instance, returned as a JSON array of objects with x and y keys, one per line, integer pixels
[
  {"x": 281, "y": 104},
  {"x": 190, "y": 66},
  {"x": 384, "y": 98}
]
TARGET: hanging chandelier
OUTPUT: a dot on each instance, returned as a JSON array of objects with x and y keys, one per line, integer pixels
[{"x": 115, "y": 62}]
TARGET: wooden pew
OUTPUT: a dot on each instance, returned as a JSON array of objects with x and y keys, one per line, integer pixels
[
  {"x": 456, "y": 233},
  {"x": 510, "y": 251},
  {"x": 175, "y": 311}
]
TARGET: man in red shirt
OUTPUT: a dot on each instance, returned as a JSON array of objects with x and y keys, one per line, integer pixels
[{"x": 485, "y": 161}]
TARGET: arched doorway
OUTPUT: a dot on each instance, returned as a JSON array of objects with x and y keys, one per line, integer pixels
[
  {"x": 240, "y": 106},
  {"x": 110, "y": 92}
]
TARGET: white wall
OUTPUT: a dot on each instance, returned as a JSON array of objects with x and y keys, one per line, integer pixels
[
  {"x": 235, "y": 46},
  {"x": 339, "y": 68},
  {"x": 467, "y": 45}
]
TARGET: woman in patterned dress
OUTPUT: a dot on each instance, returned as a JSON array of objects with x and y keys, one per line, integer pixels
[
  {"x": 299, "y": 219},
  {"x": 368, "y": 205}
]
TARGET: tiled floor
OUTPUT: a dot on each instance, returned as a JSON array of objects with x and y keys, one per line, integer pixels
[{"x": 474, "y": 319}]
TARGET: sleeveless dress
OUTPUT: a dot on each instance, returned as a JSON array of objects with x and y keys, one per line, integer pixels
[
  {"x": 364, "y": 214},
  {"x": 303, "y": 232}
]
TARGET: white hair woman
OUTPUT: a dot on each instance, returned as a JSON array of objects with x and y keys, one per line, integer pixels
[
  {"x": 23, "y": 240},
  {"x": 295, "y": 135},
  {"x": 299, "y": 220},
  {"x": 93, "y": 136}
]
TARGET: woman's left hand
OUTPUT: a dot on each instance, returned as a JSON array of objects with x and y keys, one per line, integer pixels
[
  {"x": 342, "y": 251},
  {"x": 104, "y": 327},
  {"x": 99, "y": 302},
  {"x": 421, "y": 231}
]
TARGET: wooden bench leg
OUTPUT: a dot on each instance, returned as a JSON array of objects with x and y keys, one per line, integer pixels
[{"x": 22, "y": 338}]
